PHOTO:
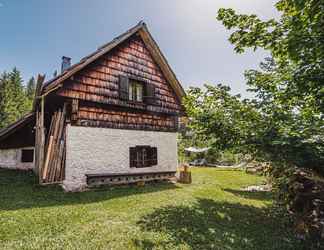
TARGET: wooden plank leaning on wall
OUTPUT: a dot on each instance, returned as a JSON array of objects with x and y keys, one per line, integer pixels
[
  {"x": 38, "y": 108},
  {"x": 54, "y": 165}
]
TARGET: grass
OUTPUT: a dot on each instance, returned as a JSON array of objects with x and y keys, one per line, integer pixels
[{"x": 211, "y": 213}]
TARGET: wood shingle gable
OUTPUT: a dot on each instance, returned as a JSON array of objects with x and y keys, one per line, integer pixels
[
  {"x": 140, "y": 57},
  {"x": 106, "y": 80}
]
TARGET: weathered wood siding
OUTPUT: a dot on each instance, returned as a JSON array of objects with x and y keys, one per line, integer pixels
[
  {"x": 98, "y": 82},
  {"x": 100, "y": 117}
]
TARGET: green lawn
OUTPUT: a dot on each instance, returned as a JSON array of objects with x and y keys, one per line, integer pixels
[{"x": 211, "y": 213}]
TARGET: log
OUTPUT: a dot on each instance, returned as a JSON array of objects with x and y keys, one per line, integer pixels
[
  {"x": 185, "y": 175},
  {"x": 59, "y": 162}
]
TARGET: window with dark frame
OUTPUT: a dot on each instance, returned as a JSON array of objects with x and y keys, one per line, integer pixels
[
  {"x": 27, "y": 155},
  {"x": 135, "y": 89},
  {"x": 142, "y": 156}
]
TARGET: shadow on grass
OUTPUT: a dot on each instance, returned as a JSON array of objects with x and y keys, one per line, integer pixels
[
  {"x": 20, "y": 190},
  {"x": 215, "y": 225},
  {"x": 256, "y": 195}
]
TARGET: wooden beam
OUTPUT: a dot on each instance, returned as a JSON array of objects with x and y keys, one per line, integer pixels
[
  {"x": 49, "y": 150},
  {"x": 39, "y": 86},
  {"x": 40, "y": 139}
]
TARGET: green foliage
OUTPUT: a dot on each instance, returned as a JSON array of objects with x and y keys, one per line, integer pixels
[
  {"x": 229, "y": 158},
  {"x": 184, "y": 141},
  {"x": 289, "y": 92},
  {"x": 30, "y": 89},
  {"x": 14, "y": 99},
  {"x": 188, "y": 138},
  {"x": 213, "y": 156},
  {"x": 261, "y": 130},
  {"x": 224, "y": 119},
  {"x": 284, "y": 122},
  {"x": 295, "y": 42}
]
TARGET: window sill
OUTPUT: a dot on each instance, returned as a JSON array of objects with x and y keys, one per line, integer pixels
[{"x": 137, "y": 103}]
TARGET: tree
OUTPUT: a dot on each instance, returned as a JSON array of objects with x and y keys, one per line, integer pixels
[
  {"x": 30, "y": 92},
  {"x": 296, "y": 44},
  {"x": 4, "y": 98},
  {"x": 13, "y": 101},
  {"x": 259, "y": 129},
  {"x": 284, "y": 122},
  {"x": 30, "y": 88}
]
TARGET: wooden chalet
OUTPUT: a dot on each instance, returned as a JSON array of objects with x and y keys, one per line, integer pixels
[{"x": 111, "y": 118}]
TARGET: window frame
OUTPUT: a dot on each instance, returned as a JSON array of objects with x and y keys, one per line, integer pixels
[
  {"x": 126, "y": 93},
  {"x": 142, "y": 156},
  {"x": 133, "y": 85}
]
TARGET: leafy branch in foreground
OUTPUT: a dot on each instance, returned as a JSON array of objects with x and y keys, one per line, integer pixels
[{"x": 296, "y": 44}]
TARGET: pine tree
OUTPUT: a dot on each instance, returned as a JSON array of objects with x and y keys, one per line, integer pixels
[
  {"x": 20, "y": 98},
  {"x": 13, "y": 100},
  {"x": 4, "y": 98},
  {"x": 30, "y": 88},
  {"x": 30, "y": 92}
]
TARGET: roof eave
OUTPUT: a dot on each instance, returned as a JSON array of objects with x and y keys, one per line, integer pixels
[
  {"x": 10, "y": 129},
  {"x": 157, "y": 53}
]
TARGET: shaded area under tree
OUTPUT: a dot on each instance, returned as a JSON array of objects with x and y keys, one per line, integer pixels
[{"x": 216, "y": 225}]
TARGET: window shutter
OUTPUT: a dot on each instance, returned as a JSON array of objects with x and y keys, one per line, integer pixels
[
  {"x": 150, "y": 93},
  {"x": 123, "y": 87},
  {"x": 132, "y": 157}
]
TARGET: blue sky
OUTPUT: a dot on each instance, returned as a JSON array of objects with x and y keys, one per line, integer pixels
[{"x": 36, "y": 34}]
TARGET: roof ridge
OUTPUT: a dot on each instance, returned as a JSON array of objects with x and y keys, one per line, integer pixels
[{"x": 137, "y": 26}]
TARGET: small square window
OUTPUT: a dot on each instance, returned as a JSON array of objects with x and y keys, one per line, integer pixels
[{"x": 27, "y": 155}]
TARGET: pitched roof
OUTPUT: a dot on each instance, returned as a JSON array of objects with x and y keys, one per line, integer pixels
[
  {"x": 5, "y": 132},
  {"x": 140, "y": 29}
]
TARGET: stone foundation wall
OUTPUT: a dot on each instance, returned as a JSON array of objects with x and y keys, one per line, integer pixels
[
  {"x": 105, "y": 150},
  {"x": 11, "y": 159}
]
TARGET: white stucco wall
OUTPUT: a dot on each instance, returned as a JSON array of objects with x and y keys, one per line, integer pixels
[
  {"x": 105, "y": 150},
  {"x": 11, "y": 159}
]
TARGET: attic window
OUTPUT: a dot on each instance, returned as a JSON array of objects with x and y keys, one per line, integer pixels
[
  {"x": 27, "y": 155},
  {"x": 135, "y": 90}
]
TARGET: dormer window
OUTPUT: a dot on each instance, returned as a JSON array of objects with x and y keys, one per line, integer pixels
[{"x": 135, "y": 91}]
